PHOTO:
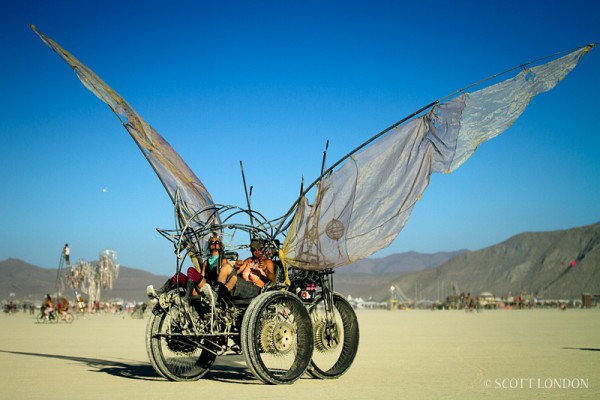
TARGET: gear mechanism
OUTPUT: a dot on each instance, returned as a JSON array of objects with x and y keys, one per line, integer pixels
[
  {"x": 278, "y": 337},
  {"x": 327, "y": 337}
]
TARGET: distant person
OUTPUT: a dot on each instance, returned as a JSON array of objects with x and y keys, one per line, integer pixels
[
  {"x": 67, "y": 253},
  {"x": 47, "y": 306},
  {"x": 62, "y": 305}
]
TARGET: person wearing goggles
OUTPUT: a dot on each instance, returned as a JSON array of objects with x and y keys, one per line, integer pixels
[{"x": 215, "y": 269}]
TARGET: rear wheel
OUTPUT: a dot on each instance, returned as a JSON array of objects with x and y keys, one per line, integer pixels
[
  {"x": 68, "y": 317},
  {"x": 336, "y": 338},
  {"x": 175, "y": 357},
  {"x": 277, "y": 337}
]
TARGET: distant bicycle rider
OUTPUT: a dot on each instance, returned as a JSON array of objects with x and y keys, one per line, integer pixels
[{"x": 47, "y": 307}]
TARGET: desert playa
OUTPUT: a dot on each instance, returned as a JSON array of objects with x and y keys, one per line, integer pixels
[{"x": 402, "y": 355}]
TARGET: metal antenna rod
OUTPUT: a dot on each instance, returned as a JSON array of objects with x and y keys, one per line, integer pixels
[
  {"x": 248, "y": 194},
  {"x": 324, "y": 156}
]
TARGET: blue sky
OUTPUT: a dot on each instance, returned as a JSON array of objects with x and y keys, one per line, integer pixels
[{"x": 270, "y": 82}]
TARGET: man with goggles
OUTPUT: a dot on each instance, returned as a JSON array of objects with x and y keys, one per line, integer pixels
[{"x": 258, "y": 268}]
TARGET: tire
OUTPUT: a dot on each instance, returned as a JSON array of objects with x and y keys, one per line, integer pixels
[
  {"x": 277, "y": 337},
  {"x": 68, "y": 318},
  {"x": 335, "y": 345},
  {"x": 174, "y": 359},
  {"x": 153, "y": 321}
]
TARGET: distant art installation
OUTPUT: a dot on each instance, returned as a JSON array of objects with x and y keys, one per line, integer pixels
[{"x": 92, "y": 278}]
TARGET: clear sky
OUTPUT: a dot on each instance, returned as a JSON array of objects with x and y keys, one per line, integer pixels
[{"x": 270, "y": 82}]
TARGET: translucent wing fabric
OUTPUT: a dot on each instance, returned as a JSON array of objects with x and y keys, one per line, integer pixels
[
  {"x": 362, "y": 206},
  {"x": 177, "y": 178}
]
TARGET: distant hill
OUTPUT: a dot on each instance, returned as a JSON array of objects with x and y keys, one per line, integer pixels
[
  {"x": 24, "y": 279},
  {"x": 359, "y": 279},
  {"x": 31, "y": 283},
  {"x": 536, "y": 263}
]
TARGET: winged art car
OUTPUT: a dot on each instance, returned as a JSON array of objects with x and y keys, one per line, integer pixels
[{"x": 296, "y": 323}]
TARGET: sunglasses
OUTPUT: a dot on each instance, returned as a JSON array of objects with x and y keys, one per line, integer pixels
[{"x": 214, "y": 242}]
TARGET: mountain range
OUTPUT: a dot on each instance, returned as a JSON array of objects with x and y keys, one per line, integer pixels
[
  {"x": 557, "y": 264},
  {"x": 31, "y": 283},
  {"x": 552, "y": 265}
]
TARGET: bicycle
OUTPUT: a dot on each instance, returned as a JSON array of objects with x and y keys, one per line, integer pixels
[{"x": 55, "y": 316}]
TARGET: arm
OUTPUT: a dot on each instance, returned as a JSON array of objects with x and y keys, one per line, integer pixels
[
  {"x": 246, "y": 269},
  {"x": 268, "y": 268}
]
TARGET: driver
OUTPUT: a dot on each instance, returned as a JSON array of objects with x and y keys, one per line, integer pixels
[
  {"x": 253, "y": 273},
  {"x": 258, "y": 269}
]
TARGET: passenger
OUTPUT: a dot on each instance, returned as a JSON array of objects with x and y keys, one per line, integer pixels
[
  {"x": 62, "y": 305},
  {"x": 215, "y": 269}
]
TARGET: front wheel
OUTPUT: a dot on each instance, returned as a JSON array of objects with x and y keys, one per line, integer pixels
[
  {"x": 173, "y": 356},
  {"x": 336, "y": 338},
  {"x": 277, "y": 337}
]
